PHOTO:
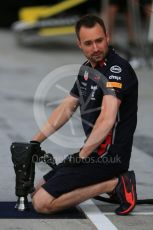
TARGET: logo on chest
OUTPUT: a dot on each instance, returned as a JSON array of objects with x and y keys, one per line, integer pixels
[
  {"x": 93, "y": 88},
  {"x": 116, "y": 69},
  {"x": 118, "y": 78}
]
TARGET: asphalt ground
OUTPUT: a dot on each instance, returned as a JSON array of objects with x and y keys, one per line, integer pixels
[{"x": 22, "y": 71}]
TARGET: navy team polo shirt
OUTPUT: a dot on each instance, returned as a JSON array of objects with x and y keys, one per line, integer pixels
[{"x": 112, "y": 76}]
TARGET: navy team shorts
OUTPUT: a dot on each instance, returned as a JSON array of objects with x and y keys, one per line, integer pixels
[{"x": 67, "y": 178}]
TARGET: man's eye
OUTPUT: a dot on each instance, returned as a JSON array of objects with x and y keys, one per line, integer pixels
[
  {"x": 99, "y": 40},
  {"x": 88, "y": 43}
]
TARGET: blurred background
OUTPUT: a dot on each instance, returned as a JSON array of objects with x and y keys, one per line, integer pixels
[{"x": 38, "y": 21}]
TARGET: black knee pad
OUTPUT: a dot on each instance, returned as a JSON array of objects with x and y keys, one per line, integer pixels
[{"x": 24, "y": 166}]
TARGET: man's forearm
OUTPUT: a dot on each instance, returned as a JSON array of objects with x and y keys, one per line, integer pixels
[
  {"x": 97, "y": 136},
  {"x": 56, "y": 120},
  {"x": 103, "y": 125}
]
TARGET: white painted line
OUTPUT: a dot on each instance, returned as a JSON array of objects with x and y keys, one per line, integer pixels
[
  {"x": 96, "y": 216},
  {"x": 131, "y": 214}
]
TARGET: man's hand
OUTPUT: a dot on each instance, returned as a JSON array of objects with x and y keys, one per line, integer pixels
[
  {"x": 36, "y": 143},
  {"x": 36, "y": 149},
  {"x": 75, "y": 160}
]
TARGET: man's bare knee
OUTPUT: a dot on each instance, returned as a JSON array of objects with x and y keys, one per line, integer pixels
[
  {"x": 42, "y": 201},
  {"x": 37, "y": 205}
]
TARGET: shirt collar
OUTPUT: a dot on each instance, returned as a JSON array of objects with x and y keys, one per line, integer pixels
[{"x": 104, "y": 61}]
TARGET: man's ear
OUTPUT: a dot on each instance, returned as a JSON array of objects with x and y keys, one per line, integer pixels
[
  {"x": 79, "y": 44},
  {"x": 108, "y": 37}
]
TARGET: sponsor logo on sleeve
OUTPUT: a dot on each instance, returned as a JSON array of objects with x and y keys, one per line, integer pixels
[
  {"x": 86, "y": 75},
  {"x": 114, "y": 84},
  {"x": 116, "y": 69}
]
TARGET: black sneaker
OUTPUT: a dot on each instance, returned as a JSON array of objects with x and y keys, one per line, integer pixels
[{"x": 126, "y": 193}]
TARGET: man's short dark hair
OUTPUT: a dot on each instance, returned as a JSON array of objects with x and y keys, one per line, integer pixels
[{"x": 89, "y": 21}]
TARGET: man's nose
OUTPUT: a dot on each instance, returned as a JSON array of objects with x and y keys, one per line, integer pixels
[{"x": 95, "y": 47}]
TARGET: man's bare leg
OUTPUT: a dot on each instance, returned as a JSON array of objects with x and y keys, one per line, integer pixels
[
  {"x": 43, "y": 202},
  {"x": 38, "y": 186}
]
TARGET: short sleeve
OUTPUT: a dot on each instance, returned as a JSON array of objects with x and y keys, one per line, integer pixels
[
  {"x": 75, "y": 91},
  {"x": 120, "y": 82}
]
